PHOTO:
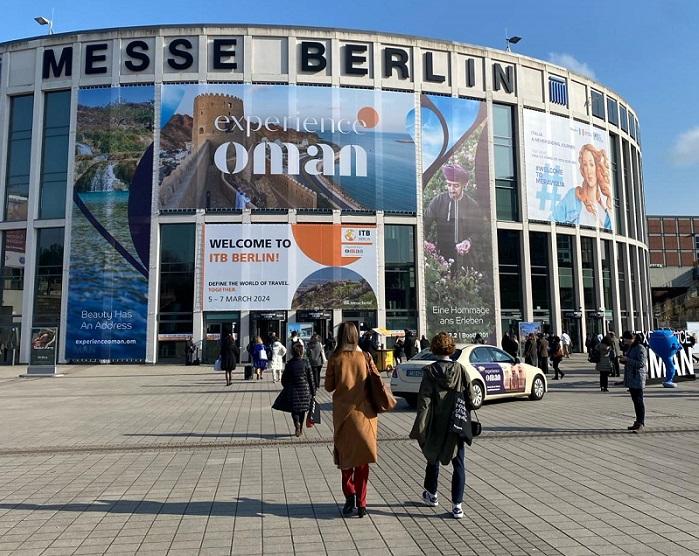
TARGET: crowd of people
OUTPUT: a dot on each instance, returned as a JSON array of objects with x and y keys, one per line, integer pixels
[{"x": 350, "y": 362}]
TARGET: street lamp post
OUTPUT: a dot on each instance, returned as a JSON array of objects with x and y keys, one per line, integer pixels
[{"x": 41, "y": 20}]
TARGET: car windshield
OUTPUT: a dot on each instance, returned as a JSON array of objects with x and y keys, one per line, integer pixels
[{"x": 427, "y": 355}]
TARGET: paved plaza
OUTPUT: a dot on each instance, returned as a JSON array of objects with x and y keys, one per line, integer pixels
[{"x": 168, "y": 460}]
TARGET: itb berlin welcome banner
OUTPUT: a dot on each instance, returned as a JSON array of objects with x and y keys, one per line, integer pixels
[{"x": 289, "y": 266}]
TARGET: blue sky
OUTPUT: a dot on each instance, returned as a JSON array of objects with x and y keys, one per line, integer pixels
[{"x": 643, "y": 49}]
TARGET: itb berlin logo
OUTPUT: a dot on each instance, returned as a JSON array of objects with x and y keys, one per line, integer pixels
[{"x": 283, "y": 157}]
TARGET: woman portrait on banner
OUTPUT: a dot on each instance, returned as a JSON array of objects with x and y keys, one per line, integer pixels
[{"x": 590, "y": 203}]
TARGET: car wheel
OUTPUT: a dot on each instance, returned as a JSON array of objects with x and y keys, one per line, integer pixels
[
  {"x": 477, "y": 394},
  {"x": 538, "y": 388}
]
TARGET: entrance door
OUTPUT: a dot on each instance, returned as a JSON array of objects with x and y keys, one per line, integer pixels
[
  {"x": 215, "y": 325},
  {"x": 266, "y": 323},
  {"x": 572, "y": 325}
]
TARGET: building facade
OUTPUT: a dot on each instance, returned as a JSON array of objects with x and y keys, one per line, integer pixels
[
  {"x": 673, "y": 243},
  {"x": 174, "y": 181}
]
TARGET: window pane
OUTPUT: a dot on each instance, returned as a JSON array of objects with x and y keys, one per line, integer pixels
[
  {"x": 597, "y": 104},
  {"x": 623, "y": 117},
  {"x": 19, "y": 157},
  {"x": 49, "y": 277},
  {"x": 54, "y": 160},
  {"x": 506, "y": 194},
  {"x": 612, "y": 111},
  {"x": 13, "y": 259},
  {"x": 399, "y": 244},
  {"x": 177, "y": 273}
]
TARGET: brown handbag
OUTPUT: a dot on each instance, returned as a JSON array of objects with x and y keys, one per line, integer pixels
[{"x": 378, "y": 394}]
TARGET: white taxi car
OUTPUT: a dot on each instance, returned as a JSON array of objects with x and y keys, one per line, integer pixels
[{"x": 493, "y": 373}]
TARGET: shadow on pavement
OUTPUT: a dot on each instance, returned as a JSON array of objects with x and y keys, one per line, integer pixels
[
  {"x": 266, "y": 436},
  {"x": 243, "y": 507}
]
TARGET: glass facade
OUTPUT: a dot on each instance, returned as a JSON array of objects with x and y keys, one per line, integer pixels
[
  {"x": 607, "y": 273},
  {"x": 54, "y": 155},
  {"x": 506, "y": 196},
  {"x": 49, "y": 277},
  {"x": 597, "y": 104},
  {"x": 13, "y": 260},
  {"x": 566, "y": 271},
  {"x": 541, "y": 283},
  {"x": 176, "y": 278},
  {"x": 617, "y": 184},
  {"x": 19, "y": 150},
  {"x": 400, "y": 289},
  {"x": 510, "y": 276}
]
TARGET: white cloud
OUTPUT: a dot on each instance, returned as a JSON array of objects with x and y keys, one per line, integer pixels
[
  {"x": 572, "y": 63},
  {"x": 685, "y": 150}
]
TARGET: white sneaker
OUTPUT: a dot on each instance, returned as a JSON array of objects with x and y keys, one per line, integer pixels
[
  {"x": 457, "y": 512},
  {"x": 429, "y": 499}
]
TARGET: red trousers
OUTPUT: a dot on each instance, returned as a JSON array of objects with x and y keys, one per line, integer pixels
[{"x": 354, "y": 481}]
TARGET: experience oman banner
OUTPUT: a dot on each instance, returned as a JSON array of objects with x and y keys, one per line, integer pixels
[
  {"x": 289, "y": 266},
  {"x": 110, "y": 236},
  {"x": 456, "y": 218},
  {"x": 567, "y": 171},
  {"x": 281, "y": 146}
]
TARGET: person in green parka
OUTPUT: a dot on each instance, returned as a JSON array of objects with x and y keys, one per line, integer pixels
[{"x": 441, "y": 382}]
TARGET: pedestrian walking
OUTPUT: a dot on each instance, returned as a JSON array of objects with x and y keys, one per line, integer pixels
[
  {"x": 278, "y": 351},
  {"x": 543, "y": 348},
  {"x": 229, "y": 354},
  {"x": 531, "y": 353},
  {"x": 410, "y": 345},
  {"x": 399, "y": 351},
  {"x": 635, "y": 370},
  {"x": 567, "y": 343},
  {"x": 604, "y": 362},
  {"x": 556, "y": 351},
  {"x": 297, "y": 388},
  {"x": 354, "y": 419},
  {"x": 368, "y": 344},
  {"x": 424, "y": 342},
  {"x": 329, "y": 346},
  {"x": 316, "y": 357},
  {"x": 614, "y": 353},
  {"x": 294, "y": 338},
  {"x": 441, "y": 382},
  {"x": 478, "y": 339},
  {"x": 259, "y": 357},
  {"x": 509, "y": 345}
]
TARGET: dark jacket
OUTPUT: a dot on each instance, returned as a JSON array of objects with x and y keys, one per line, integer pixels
[
  {"x": 604, "y": 365},
  {"x": 230, "y": 354},
  {"x": 556, "y": 350},
  {"x": 424, "y": 343},
  {"x": 256, "y": 361},
  {"x": 314, "y": 352},
  {"x": 399, "y": 349},
  {"x": 368, "y": 344},
  {"x": 531, "y": 356},
  {"x": 435, "y": 404},
  {"x": 297, "y": 382},
  {"x": 509, "y": 345},
  {"x": 543, "y": 348},
  {"x": 409, "y": 346},
  {"x": 636, "y": 367}
]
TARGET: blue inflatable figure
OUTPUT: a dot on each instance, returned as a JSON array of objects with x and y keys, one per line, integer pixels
[{"x": 666, "y": 346}]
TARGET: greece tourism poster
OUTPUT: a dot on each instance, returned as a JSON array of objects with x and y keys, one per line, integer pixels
[
  {"x": 568, "y": 172},
  {"x": 289, "y": 266},
  {"x": 110, "y": 231},
  {"x": 277, "y": 146}
]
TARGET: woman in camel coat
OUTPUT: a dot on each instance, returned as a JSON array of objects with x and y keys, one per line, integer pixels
[{"x": 354, "y": 419}]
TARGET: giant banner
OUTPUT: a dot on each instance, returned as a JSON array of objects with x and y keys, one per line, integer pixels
[
  {"x": 567, "y": 171},
  {"x": 456, "y": 218},
  {"x": 278, "y": 146},
  {"x": 289, "y": 266},
  {"x": 110, "y": 236}
]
